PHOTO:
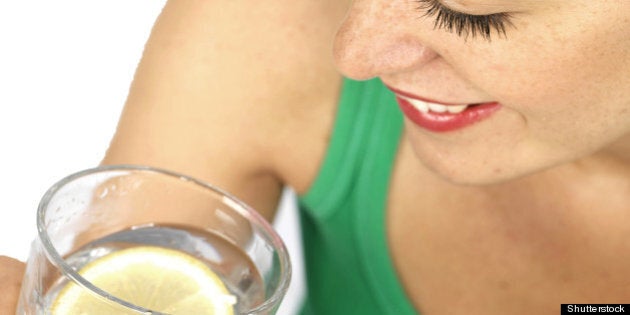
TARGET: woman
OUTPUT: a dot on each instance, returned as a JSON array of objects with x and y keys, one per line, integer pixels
[{"x": 507, "y": 190}]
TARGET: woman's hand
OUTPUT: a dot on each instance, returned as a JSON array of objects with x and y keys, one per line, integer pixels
[{"x": 11, "y": 273}]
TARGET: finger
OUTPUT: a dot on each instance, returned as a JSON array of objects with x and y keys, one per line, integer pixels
[{"x": 11, "y": 273}]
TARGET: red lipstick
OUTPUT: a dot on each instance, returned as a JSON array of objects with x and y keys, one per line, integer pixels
[{"x": 442, "y": 117}]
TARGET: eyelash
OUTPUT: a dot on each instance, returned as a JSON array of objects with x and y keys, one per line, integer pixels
[{"x": 465, "y": 24}]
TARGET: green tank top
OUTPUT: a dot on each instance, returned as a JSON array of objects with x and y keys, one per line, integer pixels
[{"x": 348, "y": 266}]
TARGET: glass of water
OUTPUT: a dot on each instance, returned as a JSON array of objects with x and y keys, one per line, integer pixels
[{"x": 140, "y": 240}]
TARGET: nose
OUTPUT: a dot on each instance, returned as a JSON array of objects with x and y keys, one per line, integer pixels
[{"x": 380, "y": 37}]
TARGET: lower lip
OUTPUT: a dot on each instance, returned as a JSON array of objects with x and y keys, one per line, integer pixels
[{"x": 443, "y": 122}]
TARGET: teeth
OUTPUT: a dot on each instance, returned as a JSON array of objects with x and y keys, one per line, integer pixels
[
  {"x": 437, "y": 108},
  {"x": 419, "y": 105},
  {"x": 454, "y": 109},
  {"x": 425, "y": 107}
]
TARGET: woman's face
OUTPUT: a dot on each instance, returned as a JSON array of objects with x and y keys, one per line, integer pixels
[{"x": 553, "y": 88}]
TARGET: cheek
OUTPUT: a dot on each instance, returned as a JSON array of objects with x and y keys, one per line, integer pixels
[
  {"x": 573, "y": 74},
  {"x": 570, "y": 56},
  {"x": 573, "y": 96},
  {"x": 573, "y": 102}
]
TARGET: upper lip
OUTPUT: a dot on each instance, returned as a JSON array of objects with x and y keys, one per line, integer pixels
[{"x": 426, "y": 99}]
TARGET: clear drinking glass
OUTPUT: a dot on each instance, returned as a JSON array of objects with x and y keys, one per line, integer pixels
[{"x": 101, "y": 211}]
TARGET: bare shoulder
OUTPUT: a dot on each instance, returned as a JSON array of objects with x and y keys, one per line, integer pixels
[{"x": 226, "y": 87}]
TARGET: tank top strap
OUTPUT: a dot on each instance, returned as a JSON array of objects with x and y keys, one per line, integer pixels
[
  {"x": 343, "y": 213},
  {"x": 360, "y": 104}
]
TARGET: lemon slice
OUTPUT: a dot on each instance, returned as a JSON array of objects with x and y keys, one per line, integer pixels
[{"x": 164, "y": 280}]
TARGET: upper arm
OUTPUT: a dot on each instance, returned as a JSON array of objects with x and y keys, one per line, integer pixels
[{"x": 215, "y": 84}]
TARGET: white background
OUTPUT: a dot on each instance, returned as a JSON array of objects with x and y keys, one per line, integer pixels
[{"x": 65, "y": 69}]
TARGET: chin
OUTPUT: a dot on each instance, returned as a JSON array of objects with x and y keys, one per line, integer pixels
[
  {"x": 469, "y": 169},
  {"x": 478, "y": 177},
  {"x": 486, "y": 169}
]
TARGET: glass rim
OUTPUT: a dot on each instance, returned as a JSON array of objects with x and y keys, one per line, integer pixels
[{"x": 239, "y": 206}]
